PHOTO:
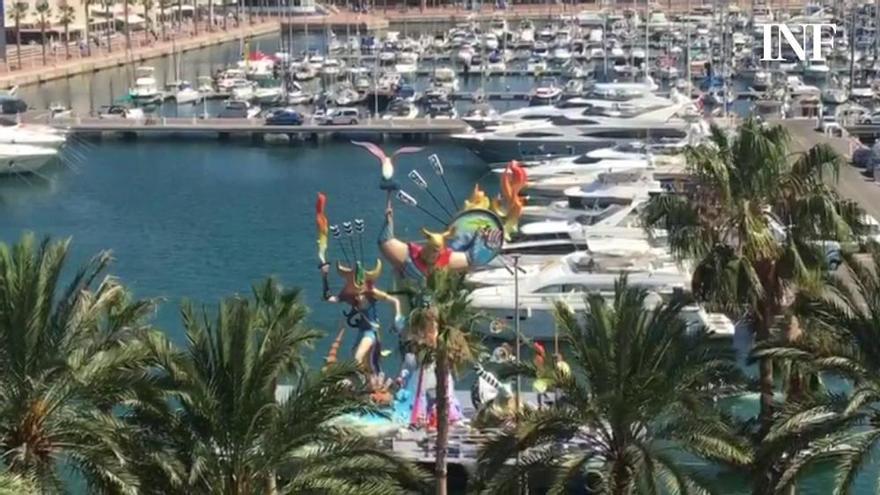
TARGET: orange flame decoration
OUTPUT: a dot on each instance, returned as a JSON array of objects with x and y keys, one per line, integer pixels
[
  {"x": 513, "y": 181},
  {"x": 322, "y": 226}
]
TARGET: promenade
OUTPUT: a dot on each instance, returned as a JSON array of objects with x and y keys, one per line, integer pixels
[{"x": 144, "y": 47}]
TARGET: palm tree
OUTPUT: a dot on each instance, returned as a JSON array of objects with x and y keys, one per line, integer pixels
[
  {"x": 109, "y": 20},
  {"x": 445, "y": 322},
  {"x": 69, "y": 356},
  {"x": 180, "y": 15},
  {"x": 148, "y": 6},
  {"x": 126, "y": 25},
  {"x": 195, "y": 18},
  {"x": 210, "y": 25},
  {"x": 640, "y": 385},
  {"x": 87, "y": 17},
  {"x": 11, "y": 484},
  {"x": 18, "y": 13},
  {"x": 66, "y": 16},
  {"x": 224, "y": 432},
  {"x": 843, "y": 341},
  {"x": 753, "y": 223},
  {"x": 42, "y": 8},
  {"x": 163, "y": 4}
]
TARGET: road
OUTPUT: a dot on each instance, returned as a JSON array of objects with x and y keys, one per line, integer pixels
[{"x": 852, "y": 184}]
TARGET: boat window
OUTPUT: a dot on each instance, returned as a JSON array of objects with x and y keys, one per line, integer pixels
[
  {"x": 536, "y": 134},
  {"x": 637, "y": 133},
  {"x": 573, "y": 288},
  {"x": 549, "y": 289},
  {"x": 561, "y": 248}
]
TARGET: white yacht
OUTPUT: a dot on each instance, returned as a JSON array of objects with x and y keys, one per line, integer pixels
[
  {"x": 481, "y": 117},
  {"x": 183, "y": 92},
  {"x": 401, "y": 109},
  {"x": 762, "y": 80},
  {"x": 547, "y": 92},
  {"x": 34, "y": 135},
  {"x": 23, "y": 159},
  {"x": 445, "y": 78},
  {"x": 579, "y": 136},
  {"x": 332, "y": 68},
  {"x": 569, "y": 280},
  {"x": 407, "y": 62},
  {"x": 605, "y": 200},
  {"x": 239, "y": 109},
  {"x": 230, "y": 78},
  {"x": 243, "y": 89},
  {"x": 624, "y": 254},
  {"x": 145, "y": 87}
]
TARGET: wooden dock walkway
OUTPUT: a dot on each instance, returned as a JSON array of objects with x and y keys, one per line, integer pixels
[{"x": 415, "y": 129}]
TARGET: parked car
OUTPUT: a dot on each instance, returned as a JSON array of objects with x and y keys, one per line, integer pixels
[
  {"x": 871, "y": 119},
  {"x": 284, "y": 116},
  {"x": 339, "y": 116},
  {"x": 120, "y": 112}
]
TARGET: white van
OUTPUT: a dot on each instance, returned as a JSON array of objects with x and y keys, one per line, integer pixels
[{"x": 340, "y": 116}]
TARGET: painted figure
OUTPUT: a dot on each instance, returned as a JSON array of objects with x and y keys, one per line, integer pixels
[{"x": 359, "y": 291}]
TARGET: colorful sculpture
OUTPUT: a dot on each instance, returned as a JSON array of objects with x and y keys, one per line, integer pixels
[{"x": 359, "y": 291}]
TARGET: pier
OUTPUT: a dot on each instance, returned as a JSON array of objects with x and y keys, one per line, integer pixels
[{"x": 256, "y": 129}]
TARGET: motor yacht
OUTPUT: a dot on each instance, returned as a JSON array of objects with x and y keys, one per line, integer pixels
[
  {"x": 481, "y": 117},
  {"x": 546, "y": 93},
  {"x": 145, "y": 88},
  {"x": 610, "y": 197},
  {"x": 32, "y": 134},
  {"x": 401, "y": 109},
  {"x": 407, "y": 62},
  {"x": 625, "y": 254},
  {"x": 332, "y": 68},
  {"x": 542, "y": 138},
  {"x": 243, "y": 89},
  {"x": 239, "y": 109},
  {"x": 183, "y": 92},
  {"x": 389, "y": 82},
  {"x": 24, "y": 159},
  {"x": 230, "y": 78},
  {"x": 762, "y": 80},
  {"x": 569, "y": 280},
  {"x": 445, "y": 78}
]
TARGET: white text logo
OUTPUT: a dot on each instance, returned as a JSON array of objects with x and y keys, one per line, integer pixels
[{"x": 812, "y": 32}]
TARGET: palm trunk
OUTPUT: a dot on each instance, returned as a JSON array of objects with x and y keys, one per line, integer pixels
[
  {"x": 180, "y": 14},
  {"x": 195, "y": 19},
  {"x": 149, "y": 24},
  {"x": 162, "y": 20},
  {"x": 763, "y": 322},
  {"x": 43, "y": 35},
  {"x": 126, "y": 26},
  {"x": 441, "y": 369},
  {"x": 86, "y": 31},
  {"x": 225, "y": 16},
  {"x": 18, "y": 41},
  {"x": 109, "y": 41},
  {"x": 66, "y": 40},
  {"x": 210, "y": 24}
]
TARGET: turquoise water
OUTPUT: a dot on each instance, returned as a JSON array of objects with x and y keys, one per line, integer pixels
[{"x": 204, "y": 219}]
